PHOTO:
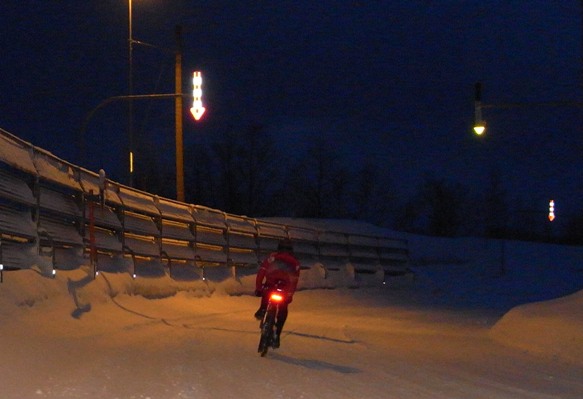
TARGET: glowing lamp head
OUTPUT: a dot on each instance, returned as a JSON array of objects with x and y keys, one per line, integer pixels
[{"x": 479, "y": 129}]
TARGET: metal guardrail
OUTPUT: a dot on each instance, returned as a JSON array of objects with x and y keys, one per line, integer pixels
[{"x": 54, "y": 214}]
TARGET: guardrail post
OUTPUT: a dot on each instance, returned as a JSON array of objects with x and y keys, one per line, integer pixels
[{"x": 92, "y": 247}]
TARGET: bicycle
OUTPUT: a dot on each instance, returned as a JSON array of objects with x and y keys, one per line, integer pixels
[{"x": 267, "y": 324}]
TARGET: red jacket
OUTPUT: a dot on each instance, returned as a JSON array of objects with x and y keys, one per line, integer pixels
[{"x": 279, "y": 266}]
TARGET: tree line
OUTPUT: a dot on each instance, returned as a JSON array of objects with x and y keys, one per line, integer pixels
[{"x": 246, "y": 172}]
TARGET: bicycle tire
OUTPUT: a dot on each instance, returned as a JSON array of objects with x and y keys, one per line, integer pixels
[{"x": 265, "y": 341}]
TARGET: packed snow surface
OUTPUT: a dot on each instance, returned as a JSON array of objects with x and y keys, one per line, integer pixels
[{"x": 479, "y": 320}]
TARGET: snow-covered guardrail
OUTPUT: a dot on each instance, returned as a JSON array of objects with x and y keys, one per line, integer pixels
[{"x": 56, "y": 215}]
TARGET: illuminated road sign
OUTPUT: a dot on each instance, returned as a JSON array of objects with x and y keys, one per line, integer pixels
[
  {"x": 197, "y": 109},
  {"x": 551, "y": 210}
]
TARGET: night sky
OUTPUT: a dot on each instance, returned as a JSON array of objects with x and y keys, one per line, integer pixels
[{"x": 388, "y": 82}]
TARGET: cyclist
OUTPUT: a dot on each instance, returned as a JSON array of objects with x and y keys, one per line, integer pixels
[{"x": 280, "y": 266}]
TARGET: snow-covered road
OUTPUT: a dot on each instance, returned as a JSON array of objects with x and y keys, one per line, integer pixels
[{"x": 366, "y": 343}]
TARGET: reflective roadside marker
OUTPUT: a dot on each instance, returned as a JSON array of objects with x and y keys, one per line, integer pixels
[
  {"x": 197, "y": 109},
  {"x": 551, "y": 210}
]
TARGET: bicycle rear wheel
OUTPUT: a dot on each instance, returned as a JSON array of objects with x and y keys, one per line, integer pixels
[{"x": 267, "y": 326}]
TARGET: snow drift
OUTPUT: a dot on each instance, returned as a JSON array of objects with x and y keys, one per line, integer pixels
[{"x": 552, "y": 328}]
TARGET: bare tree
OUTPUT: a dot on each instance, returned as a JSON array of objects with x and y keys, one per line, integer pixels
[
  {"x": 372, "y": 197},
  {"x": 437, "y": 209},
  {"x": 260, "y": 169},
  {"x": 445, "y": 202},
  {"x": 245, "y": 170},
  {"x": 496, "y": 207},
  {"x": 320, "y": 183}
]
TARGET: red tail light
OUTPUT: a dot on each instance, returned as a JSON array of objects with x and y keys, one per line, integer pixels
[{"x": 276, "y": 297}]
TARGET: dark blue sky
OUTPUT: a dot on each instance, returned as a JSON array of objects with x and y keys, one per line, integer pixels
[{"x": 386, "y": 81}]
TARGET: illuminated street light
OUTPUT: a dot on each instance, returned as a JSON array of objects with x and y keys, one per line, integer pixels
[
  {"x": 177, "y": 107},
  {"x": 479, "y": 128},
  {"x": 130, "y": 88},
  {"x": 479, "y": 123}
]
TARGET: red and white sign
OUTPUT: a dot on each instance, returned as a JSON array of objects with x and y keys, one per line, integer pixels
[
  {"x": 197, "y": 109},
  {"x": 551, "y": 210}
]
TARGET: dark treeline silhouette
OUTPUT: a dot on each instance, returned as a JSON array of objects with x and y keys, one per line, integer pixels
[{"x": 246, "y": 172}]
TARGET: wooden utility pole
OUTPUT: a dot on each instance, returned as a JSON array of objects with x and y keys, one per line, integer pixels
[{"x": 178, "y": 119}]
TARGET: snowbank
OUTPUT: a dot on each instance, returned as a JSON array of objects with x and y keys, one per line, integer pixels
[
  {"x": 29, "y": 287},
  {"x": 521, "y": 279},
  {"x": 514, "y": 278},
  {"x": 552, "y": 328}
]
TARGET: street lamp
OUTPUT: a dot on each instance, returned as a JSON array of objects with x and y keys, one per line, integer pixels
[
  {"x": 177, "y": 106},
  {"x": 479, "y": 124},
  {"x": 130, "y": 89}
]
